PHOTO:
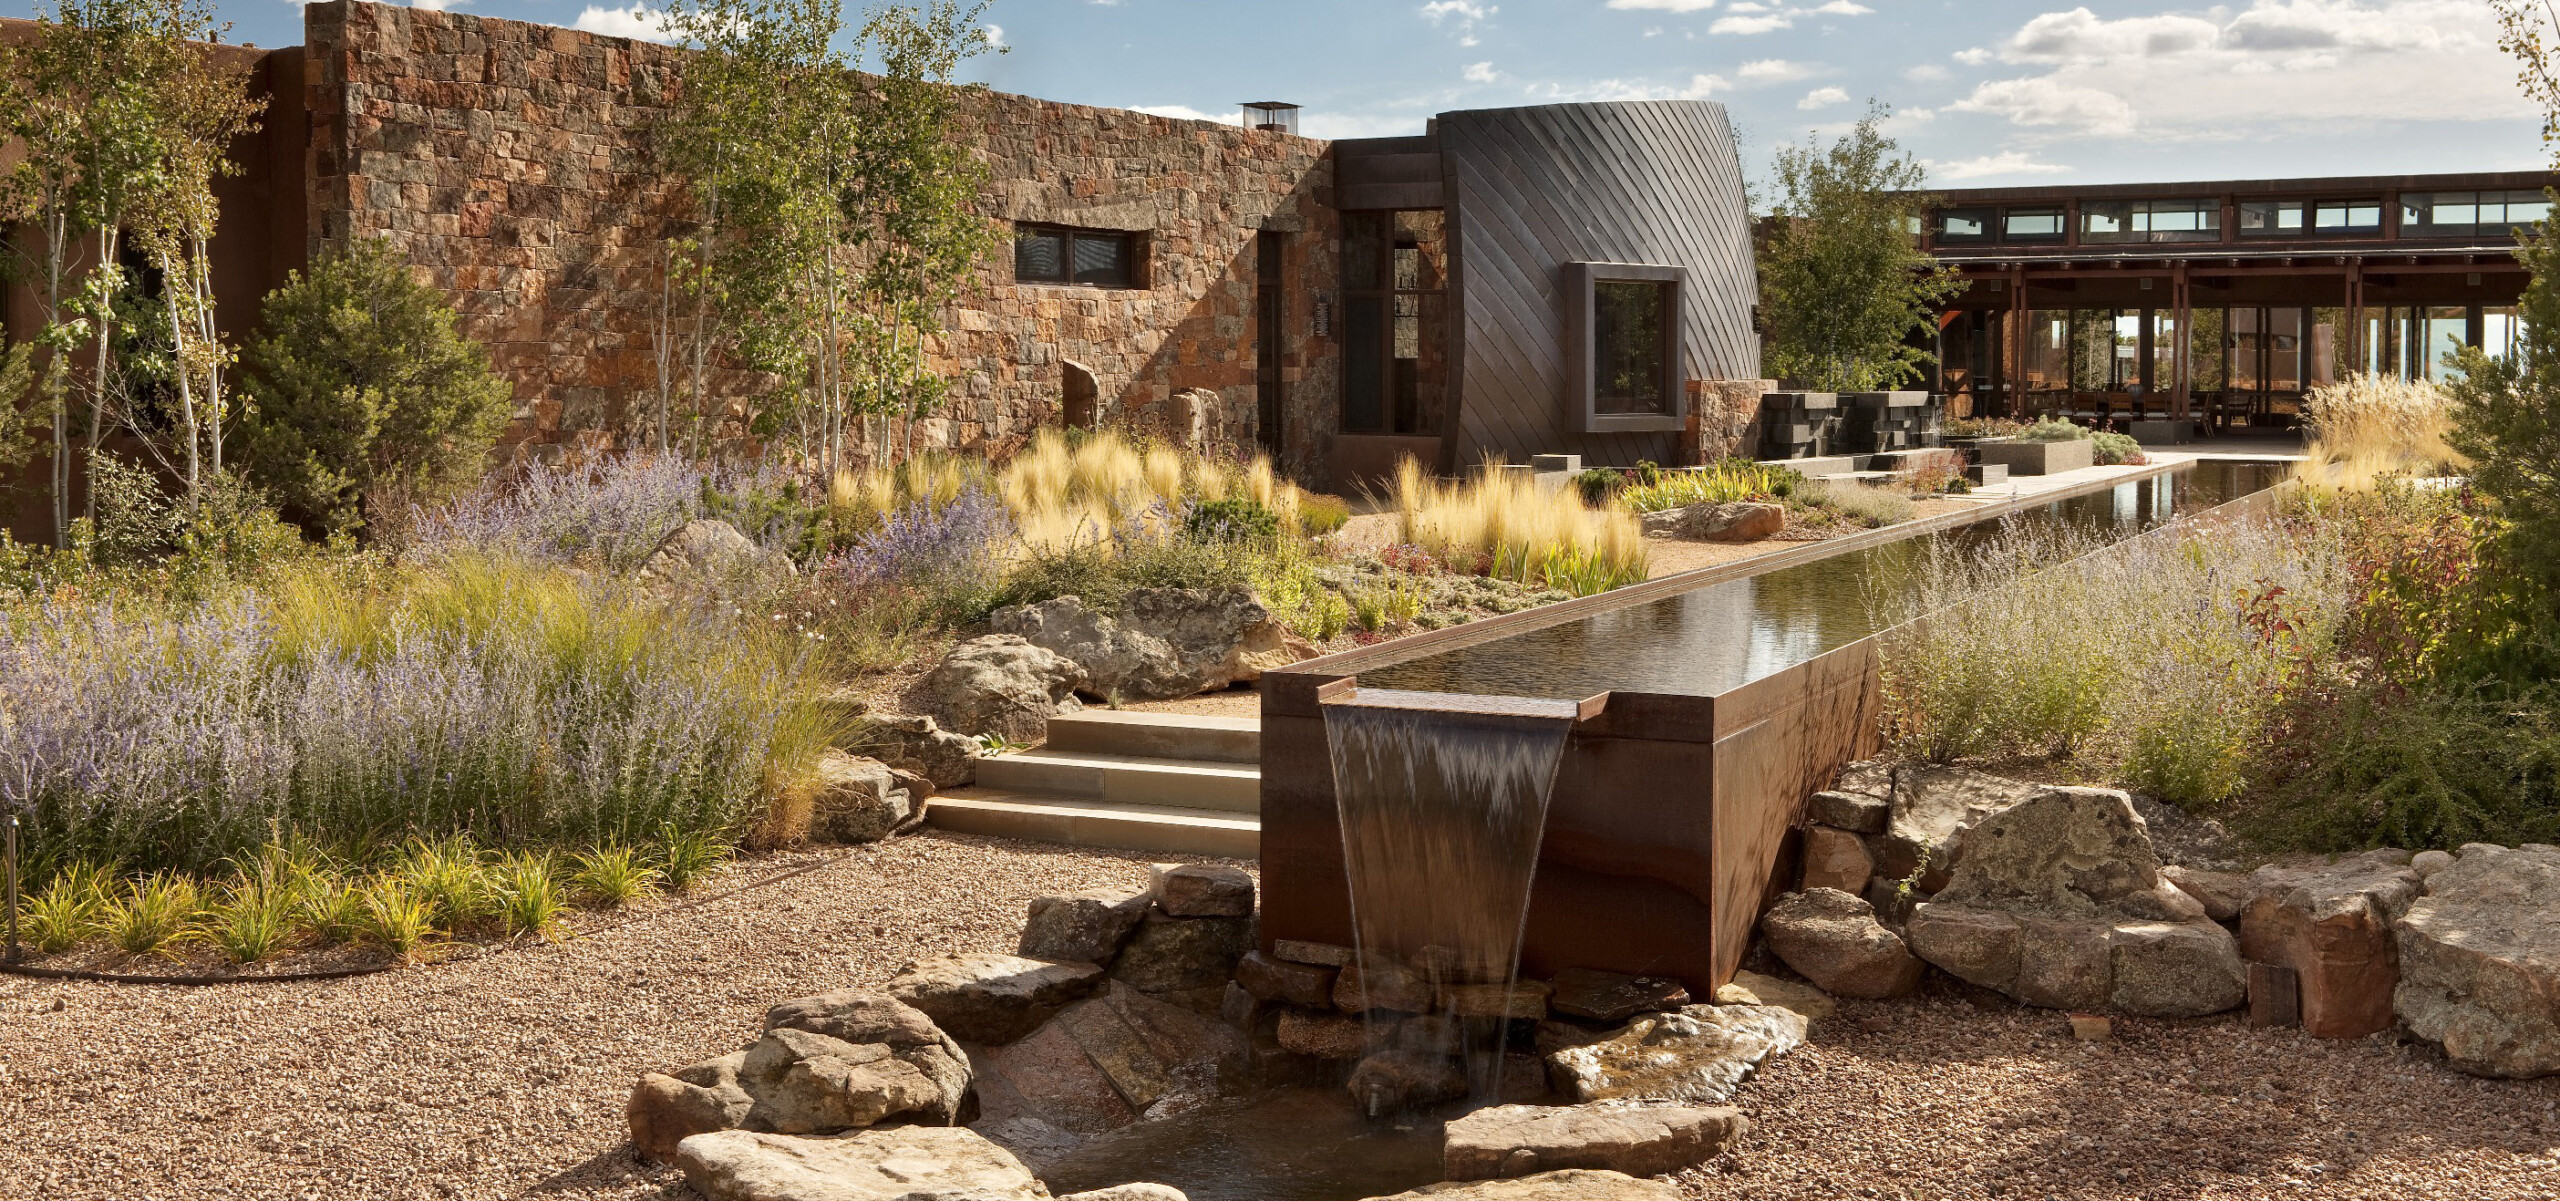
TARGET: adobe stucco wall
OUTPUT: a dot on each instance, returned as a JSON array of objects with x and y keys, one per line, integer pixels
[{"x": 510, "y": 161}]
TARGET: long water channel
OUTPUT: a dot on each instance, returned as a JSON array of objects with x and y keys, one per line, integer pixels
[{"x": 1720, "y": 636}]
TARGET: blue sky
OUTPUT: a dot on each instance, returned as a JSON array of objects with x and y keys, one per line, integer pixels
[{"x": 1985, "y": 91}]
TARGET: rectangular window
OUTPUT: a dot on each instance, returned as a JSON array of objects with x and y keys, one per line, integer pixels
[
  {"x": 1395, "y": 361},
  {"x": 2453, "y": 214},
  {"x": 1093, "y": 258},
  {"x": 2260, "y": 218},
  {"x": 1630, "y": 344},
  {"x": 2347, "y": 216},
  {"x": 2031, "y": 225},
  {"x": 1964, "y": 225},
  {"x": 2151, "y": 221},
  {"x": 1624, "y": 339}
]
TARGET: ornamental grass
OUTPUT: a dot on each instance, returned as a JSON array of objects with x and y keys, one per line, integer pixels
[
  {"x": 1511, "y": 527},
  {"x": 2366, "y": 427}
]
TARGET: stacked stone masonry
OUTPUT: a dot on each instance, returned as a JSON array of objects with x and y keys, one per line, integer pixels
[{"x": 510, "y": 162}]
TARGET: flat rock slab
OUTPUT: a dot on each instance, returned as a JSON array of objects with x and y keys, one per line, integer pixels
[
  {"x": 2480, "y": 962},
  {"x": 1574, "y": 1184},
  {"x": 1282, "y": 982},
  {"x": 1611, "y": 997},
  {"x": 1752, "y": 988},
  {"x": 1179, "y": 954},
  {"x": 908, "y": 1163},
  {"x": 1522, "y": 1140},
  {"x": 1130, "y": 1192},
  {"x": 989, "y": 998},
  {"x": 1698, "y": 1055},
  {"x": 2075, "y": 962}
]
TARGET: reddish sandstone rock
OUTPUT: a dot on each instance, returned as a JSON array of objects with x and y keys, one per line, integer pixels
[
  {"x": 2332, "y": 924},
  {"x": 1519, "y": 1140},
  {"x": 1836, "y": 859},
  {"x": 1611, "y": 997}
]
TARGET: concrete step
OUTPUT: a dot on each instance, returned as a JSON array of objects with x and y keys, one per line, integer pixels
[
  {"x": 1127, "y": 779},
  {"x": 1158, "y": 735},
  {"x": 1154, "y": 829}
]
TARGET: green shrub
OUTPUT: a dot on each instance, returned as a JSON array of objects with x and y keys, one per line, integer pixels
[
  {"x": 612, "y": 876},
  {"x": 2436, "y": 768},
  {"x": 362, "y": 389},
  {"x": 1319, "y": 514},
  {"x": 684, "y": 857},
  {"x": 1598, "y": 484},
  {"x": 2110, "y": 448},
  {"x": 399, "y": 921},
  {"x": 2053, "y": 429},
  {"x": 1716, "y": 483},
  {"x": 70, "y": 909},
  {"x": 529, "y": 897},
  {"x": 152, "y": 913},
  {"x": 253, "y": 921},
  {"x": 1233, "y": 519}
]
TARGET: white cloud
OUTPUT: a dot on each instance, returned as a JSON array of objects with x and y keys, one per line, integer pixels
[
  {"x": 1481, "y": 73},
  {"x": 1925, "y": 73},
  {"x": 437, "y": 6},
  {"x": 1823, "y": 98},
  {"x": 994, "y": 32},
  {"x": 2080, "y": 36},
  {"x": 1842, "y": 8},
  {"x": 2049, "y": 101},
  {"x": 1668, "y": 6},
  {"x": 1699, "y": 87},
  {"x": 2266, "y": 69},
  {"x": 1774, "y": 70},
  {"x": 1179, "y": 112},
  {"x": 638, "y": 21},
  {"x": 1467, "y": 12},
  {"x": 1751, "y": 25},
  {"x": 1974, "y": 57},
  {"x": 2007, "y": 162}
]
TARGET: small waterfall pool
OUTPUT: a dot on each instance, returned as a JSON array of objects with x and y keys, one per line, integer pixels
[{"x": 1721, "y": 636}]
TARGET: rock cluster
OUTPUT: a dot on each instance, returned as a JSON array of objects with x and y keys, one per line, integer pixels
[
  {"x": 860, "y": 799},
  {"x": 1165, "y": 643},
  {"x": 1001, "y": 685},
  {"x": 707, "y": 550},
  {"x": 824, "y": 1064}
]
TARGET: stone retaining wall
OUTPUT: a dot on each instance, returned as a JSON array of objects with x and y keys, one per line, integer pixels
[{"x": 509, "y": 161}]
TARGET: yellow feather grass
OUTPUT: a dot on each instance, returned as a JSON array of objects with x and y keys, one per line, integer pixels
[
  {"x": 2365, "y": 427},
  {"x": 1517, "y": 529}
]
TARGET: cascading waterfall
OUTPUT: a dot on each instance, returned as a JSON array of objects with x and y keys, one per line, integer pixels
[{"x": 1443, "y": 800}]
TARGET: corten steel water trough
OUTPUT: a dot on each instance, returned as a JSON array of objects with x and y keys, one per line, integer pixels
[{"x": 1674, "y": 817}]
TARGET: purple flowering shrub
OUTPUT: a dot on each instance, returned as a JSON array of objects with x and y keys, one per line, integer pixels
[
  {"x": 614, "y": 512},
  {"x": 159, "y": 741},
  {"x": 924, "y": 544}
]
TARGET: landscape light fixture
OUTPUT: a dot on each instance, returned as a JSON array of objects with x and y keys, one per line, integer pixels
[{"x": 1271, "y": 116}]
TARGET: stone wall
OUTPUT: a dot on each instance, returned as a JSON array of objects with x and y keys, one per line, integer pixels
[{"x": 510, "y": 161}]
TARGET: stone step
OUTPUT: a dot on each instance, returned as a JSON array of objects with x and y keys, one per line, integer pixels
[
  {"x": 1154, "y": 829},
  {"x": 1127, "y": 779},
  {"x": 1192, "y": 736}
]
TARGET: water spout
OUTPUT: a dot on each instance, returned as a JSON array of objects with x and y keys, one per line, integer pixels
[{"x": 1442, "y": 800}]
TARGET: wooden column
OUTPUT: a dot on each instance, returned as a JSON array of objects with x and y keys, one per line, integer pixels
[
  {"x": 2015, "y": 390},
  {"x": 2355, "y": 314},
  {"x": 2181, "y": 403}
]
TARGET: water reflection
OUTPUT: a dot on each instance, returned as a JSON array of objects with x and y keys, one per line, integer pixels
[{"x": 1716, "y": 638}]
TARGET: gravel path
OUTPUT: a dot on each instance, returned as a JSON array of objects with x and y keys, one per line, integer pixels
[
  {"x": 505, "y": 1077},
  {"x": 501, "y": 1077},
  {"x": 1951, "y": 1102}
]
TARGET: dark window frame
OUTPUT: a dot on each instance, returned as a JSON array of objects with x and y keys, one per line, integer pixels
[
  {"x": 2126, "y": 212},
  {"x": 2409, "y": 205},
  {"x": 1582, "y": 327},
  {"x": 1988, "y": 217},
  {"x": 1133, "y": 256}
]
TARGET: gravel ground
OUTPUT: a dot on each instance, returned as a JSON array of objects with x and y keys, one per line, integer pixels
[
  {"x": 497, "y": 1077},
  {"x": 1962, "y": 1097},
  {"x": 505, "y": 1076}
]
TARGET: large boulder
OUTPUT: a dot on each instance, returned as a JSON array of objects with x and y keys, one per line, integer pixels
[
  {"x": 1731, "y": 521},
  {"x": 1833, "y": 939},
  {"x": 708, "y": 550},
  {"x": 2331, "y": 924},
  {"x": 859, "y": 799},
  {"x": 1166, "y": 642},
  {"x": 906, "y": 1163},
  {"x": 1696, "y": 1056},
  {"x": 915, "y": 743},
  {"x": 805, "y": 1083},
  {"x": 1521, "y": 1140},
  {"x": 2480, "y": 961},
  {"x": 1572, "y": 1184},
  {"x": 2058, "y": 901},
  {"x": 1182, "y": 954},
  {"x": 1930, "y": 808},
  {"x": 989, "y": 998},
  {"x": 1389, "y": 1081},
  {"x": 1835, "y": 858},
  {"x": 1001, "y": 685},
  {"x": 1082, "y": 927}
]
